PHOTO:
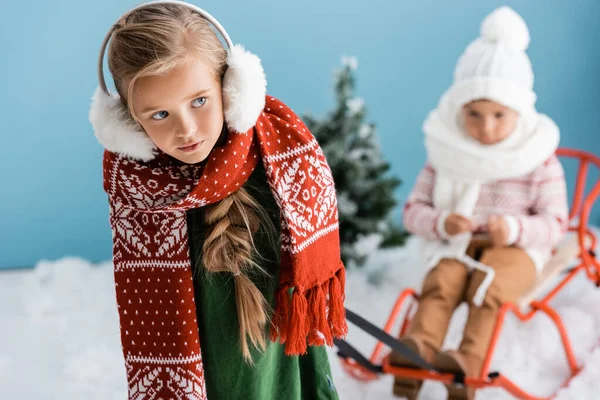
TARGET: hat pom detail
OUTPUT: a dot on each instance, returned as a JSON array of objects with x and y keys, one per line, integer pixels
[{"x": 506, "y": 26}]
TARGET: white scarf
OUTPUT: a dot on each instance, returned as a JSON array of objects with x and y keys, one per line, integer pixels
[{"x": 462, "y": 165}]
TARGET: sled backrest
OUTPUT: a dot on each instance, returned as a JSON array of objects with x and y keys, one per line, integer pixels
[{"x": 579, "y": 245}]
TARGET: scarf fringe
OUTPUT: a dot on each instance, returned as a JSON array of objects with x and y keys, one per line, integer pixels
[
  {"x": 279, "y": 319},
  {"x": 312, "y": 318},
  {"x": 320, "y": 333},
  {"x": 337, "y": 313}
]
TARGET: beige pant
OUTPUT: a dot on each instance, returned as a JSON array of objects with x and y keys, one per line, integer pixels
[{"x": 450, "y": 283}]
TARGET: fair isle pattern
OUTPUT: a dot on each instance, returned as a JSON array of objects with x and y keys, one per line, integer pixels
[
  {"x": 537, "y": 200},
  {"x": 151, "y": 383},
  {"x": 147, "y": 236},
  {"x": 153, "y": 275},
  {"x": 291, "y": 171}
]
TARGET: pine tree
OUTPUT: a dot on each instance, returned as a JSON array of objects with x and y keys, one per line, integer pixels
[{"x": 365, "y": 191}]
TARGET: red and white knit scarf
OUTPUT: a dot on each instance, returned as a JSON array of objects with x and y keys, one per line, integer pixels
[{"x": 153, "y": 275}]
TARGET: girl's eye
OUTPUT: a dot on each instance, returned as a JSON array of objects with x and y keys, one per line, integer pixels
[
  {"x": 199, "y": 102},
  {"x": 160, "y": 115},
  {"x": 499, "y": 115},
  {"x": 473, "y": 114}
]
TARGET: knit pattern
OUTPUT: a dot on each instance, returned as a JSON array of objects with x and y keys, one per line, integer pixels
[
  {"x": 153, "y": 275},
  {"x": 538, "y": 201}
]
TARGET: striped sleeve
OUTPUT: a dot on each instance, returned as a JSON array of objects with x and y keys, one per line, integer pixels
[
  {"x": 550, "y": 213},
  {"x": 419, "y": 217}
]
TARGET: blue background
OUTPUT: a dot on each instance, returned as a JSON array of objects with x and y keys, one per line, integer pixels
[{"x": 51, "y": 201}]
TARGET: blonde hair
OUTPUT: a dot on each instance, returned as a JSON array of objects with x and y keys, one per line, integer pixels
[{"x": 152, "y": 40}]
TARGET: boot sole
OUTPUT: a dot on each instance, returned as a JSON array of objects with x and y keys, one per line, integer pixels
[
  {"x": 446, "y": 363},
  {"x": 406, "y": 387}
]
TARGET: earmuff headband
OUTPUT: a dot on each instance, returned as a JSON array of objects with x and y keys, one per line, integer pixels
[{"x": 192, "y": 7}]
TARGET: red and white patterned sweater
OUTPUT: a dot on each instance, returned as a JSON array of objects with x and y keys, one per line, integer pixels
[{"x": 535, "y": 207}]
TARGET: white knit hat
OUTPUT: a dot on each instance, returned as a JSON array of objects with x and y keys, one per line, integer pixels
[{"x": 495, "y": 65}]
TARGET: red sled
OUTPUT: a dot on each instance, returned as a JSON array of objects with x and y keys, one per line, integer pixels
[{"x": 579, "y": 249}]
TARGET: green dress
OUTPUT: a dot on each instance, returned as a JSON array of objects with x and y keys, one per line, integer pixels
[{"x": 274, "y": 375}]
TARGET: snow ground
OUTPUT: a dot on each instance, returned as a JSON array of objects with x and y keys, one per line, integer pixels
[{"x": 60, "y": 337}]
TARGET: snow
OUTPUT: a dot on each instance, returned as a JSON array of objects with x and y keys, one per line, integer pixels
[
  {"x": 360, "y": 154},
  {"x": 345, "y": 205},
  {"x": 350, "y": 62},
  {"x": 60, "y": 333},
  {"x": 364, "y": 131},
  {"x": 60, "y": 337},
  {"x": 355, "y": 105}
]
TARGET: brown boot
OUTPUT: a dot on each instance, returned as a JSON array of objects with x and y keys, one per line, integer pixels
[
  {"x": 407, "y": 387},
  {"x": 456, "y": 362}
]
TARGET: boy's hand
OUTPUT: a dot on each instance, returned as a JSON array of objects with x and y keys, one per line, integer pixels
[
  {"x": 498, "y": 230},
  {"x": 456, "y": 224}
]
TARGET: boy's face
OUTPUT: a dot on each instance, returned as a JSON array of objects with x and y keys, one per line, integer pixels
[
  {"x": 489, "y": 122},
  {"x": 181, "y": 111}
]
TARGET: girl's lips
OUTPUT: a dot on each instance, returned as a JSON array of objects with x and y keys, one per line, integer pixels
[{"x": 191, "y": 147}]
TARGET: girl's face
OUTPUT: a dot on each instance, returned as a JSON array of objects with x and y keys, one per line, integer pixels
[
  {"x": 489, "y": 122},
  {"x": 181, "y": 111}
]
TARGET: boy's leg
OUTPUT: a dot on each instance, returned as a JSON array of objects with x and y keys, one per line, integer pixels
[
  {"x": 515, "y": 273},
  {"x": 443, "y": 290}
]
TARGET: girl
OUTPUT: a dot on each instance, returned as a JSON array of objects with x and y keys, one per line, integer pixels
[
  {"x": 224, "y": 218},
  {"x": 491, "y": 171}
]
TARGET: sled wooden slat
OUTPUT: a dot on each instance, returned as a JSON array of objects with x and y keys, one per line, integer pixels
[{"x": 562, "y": 259}]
